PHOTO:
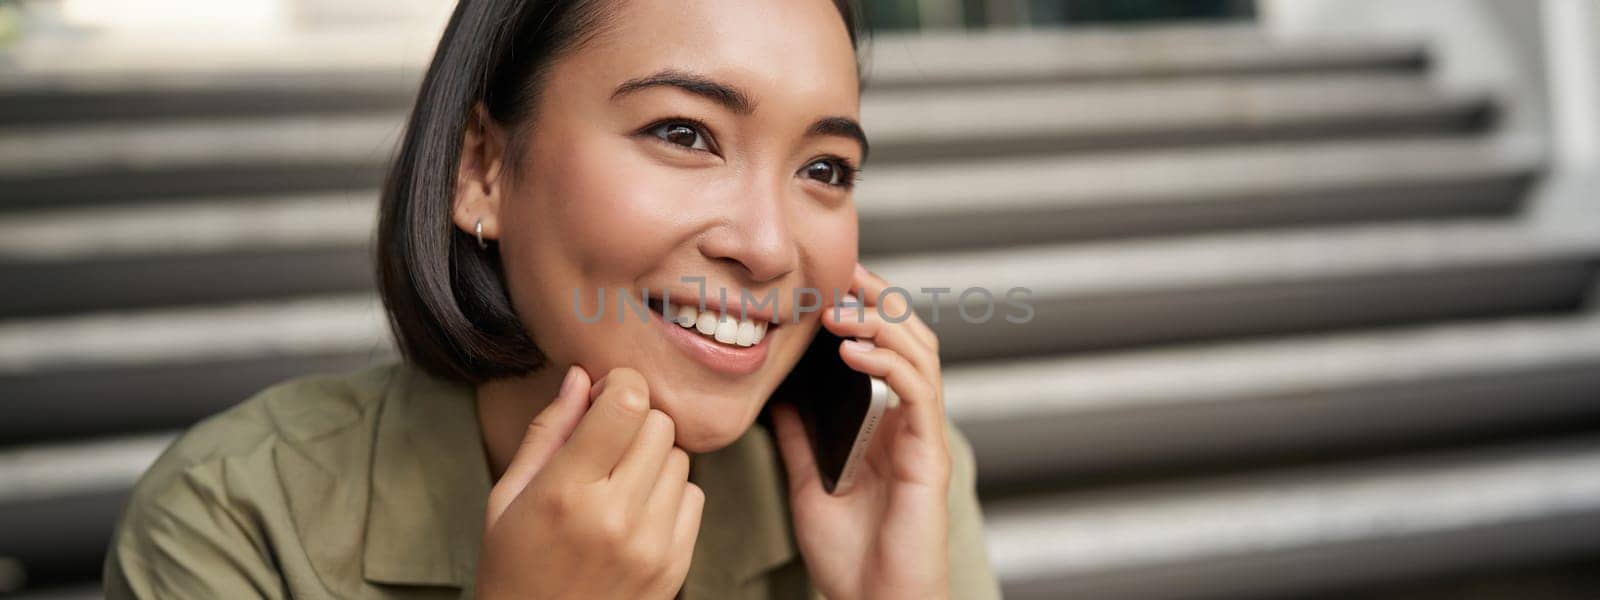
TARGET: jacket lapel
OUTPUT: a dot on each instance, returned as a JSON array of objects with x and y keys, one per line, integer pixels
[
  {"x": 430, "y": 483},
  {"x": 745, "y": 531}
]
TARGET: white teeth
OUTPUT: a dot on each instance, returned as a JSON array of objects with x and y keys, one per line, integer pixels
[
  {"x": 707, "y": 322},
  {"x": 727, "y": 330},
  {"x": 747, "y": 334},
  {"x": 687, "y": 315}
]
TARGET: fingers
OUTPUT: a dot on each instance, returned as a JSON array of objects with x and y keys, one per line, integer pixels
[
  {"x": 667, "y": 484},
  {"x": 598, "y": 477},
  {"x": 643, "y": 465},
  {"x": 655, "y": 516},
  {"x": 685, "y": 531},
  {"x": 892, "y": 305},
  {"x": 546, "y": 434},
  {"x": 871, "y": 325},
  {"x": 910, "y": 339},
  {"x": 691, "y": 506},
  {"x": 923, "y": 415},
  {"x": 671, "y": 517},
  {"x": 795, "y": 447},
  {"x": 620, "y": 405}
]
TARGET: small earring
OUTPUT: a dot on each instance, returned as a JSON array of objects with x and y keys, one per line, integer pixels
[{"x": 479, "y": 229}]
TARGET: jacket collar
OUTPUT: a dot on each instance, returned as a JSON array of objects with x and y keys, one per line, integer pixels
[
  {"x": 430, "y": 485},
  {"x": 745, "y": 531}
]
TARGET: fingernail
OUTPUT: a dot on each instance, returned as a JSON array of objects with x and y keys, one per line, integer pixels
[
  {"x": 861, "y": 271},
  {"x": 861, "y": 345},
  {"x": 850, "y": 299},
  {"x": 568, "y": 382}
]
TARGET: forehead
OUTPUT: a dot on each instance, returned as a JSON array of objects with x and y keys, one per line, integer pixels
[{"x": 780, "y": 52}]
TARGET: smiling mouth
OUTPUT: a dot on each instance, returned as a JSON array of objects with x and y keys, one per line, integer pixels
[{"x": 712, "y": 324}]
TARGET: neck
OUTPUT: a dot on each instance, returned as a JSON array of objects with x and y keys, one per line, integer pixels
[{"x": 506, "y": 406}]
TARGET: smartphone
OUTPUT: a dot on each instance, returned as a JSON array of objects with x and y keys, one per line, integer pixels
[{"x": 840, "y": 407}]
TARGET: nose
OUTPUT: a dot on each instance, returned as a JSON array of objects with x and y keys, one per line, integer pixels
[{"x": 754, "y": 232}]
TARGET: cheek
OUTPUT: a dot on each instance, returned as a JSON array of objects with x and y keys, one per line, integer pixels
[
  {"x": 575, "y": 223},
  {"x": 828, "y": 239},
  {"x": 591, "y": 214},
  {"x": 612, "y": 215}
]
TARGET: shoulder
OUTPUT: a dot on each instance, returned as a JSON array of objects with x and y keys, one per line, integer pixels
[
  {"x": 963, "y": 464},
  {"x": 971, "y": 574},
  {"x": 292, "y": 413},
  {"x": 220, "y": 486},
  {"x": 296, "y": 410}
]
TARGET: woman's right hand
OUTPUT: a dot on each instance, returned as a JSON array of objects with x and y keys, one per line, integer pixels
[{"x": 596, "y": 502}]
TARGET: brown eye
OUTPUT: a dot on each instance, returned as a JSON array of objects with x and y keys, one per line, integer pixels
[
  {"x": 681, "y": 134},
  {"x": 829, "y": 172}
]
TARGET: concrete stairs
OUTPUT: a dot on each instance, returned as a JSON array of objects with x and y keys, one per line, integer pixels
[{"x": 1301, "y": 326}]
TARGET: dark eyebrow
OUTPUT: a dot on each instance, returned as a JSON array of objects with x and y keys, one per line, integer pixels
[
  {"x": 736, "y": 101},
  {"x": 699, "y": 85},
  {"x": 841, "y": 126}
]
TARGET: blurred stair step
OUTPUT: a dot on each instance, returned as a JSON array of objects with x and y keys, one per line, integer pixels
[
  {"x": 125, "y": 398},
  {"x": 1063, "y": 418},
  {"x": 193, "y": 143},
  {"x": 186, "y": 279},
  {"x": 963, "y": 124},
  {"x": 44, "y": 100},
  {"x": 1088, "y": 54},
  {"x": 120, "y": 372},
  {"x": 59, "y": 501},
  {"x": 1093, "y": 296},
  {"x": 315, "y": 324},
  {"x": 1313, "y": 530},
  {"x": 193, "y": 252},
  {"x": 52, "y": 167},
  {"x": 1058, "y": 198}
]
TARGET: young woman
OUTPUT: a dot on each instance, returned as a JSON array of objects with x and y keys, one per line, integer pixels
[{"x": 557, "y": 148}]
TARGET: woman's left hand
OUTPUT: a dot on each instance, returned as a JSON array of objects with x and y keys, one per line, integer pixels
[{"x": 888, "y": 536}]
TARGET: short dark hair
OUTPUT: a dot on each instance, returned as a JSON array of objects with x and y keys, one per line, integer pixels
[{"x": 446, "y": 297}]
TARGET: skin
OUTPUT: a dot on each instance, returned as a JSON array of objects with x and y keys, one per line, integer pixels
[{"x": 627, "y": 191}]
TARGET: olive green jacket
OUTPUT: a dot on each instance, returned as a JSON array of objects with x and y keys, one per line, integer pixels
[{"x": 373, "y": 485}]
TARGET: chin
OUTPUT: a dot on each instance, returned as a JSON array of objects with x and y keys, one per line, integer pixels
[
  {"x": 709, "y": 413},
  {"x": 710, "y": 426}
]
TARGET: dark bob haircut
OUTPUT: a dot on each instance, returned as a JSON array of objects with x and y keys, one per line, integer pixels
[{"x": 446, "y": 298}]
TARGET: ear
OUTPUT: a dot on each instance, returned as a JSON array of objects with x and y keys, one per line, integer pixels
[{"x": 479, "y": 186}]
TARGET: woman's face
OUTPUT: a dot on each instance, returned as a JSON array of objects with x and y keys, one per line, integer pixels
[{"x": 709, "y": 139}]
